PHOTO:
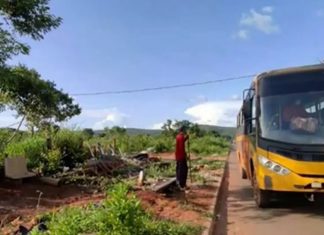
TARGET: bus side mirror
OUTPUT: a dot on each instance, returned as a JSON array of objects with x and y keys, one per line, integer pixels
[{"x": 247, "y": 112}]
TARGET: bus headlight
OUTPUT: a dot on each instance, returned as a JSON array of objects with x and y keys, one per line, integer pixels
[{"x": 275, "y": 167}]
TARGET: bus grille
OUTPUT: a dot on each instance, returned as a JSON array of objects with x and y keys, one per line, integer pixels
[{"x": 312, "y": 176}]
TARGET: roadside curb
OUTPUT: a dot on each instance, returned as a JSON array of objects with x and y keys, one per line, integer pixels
[{"x": 215, "y": 208}]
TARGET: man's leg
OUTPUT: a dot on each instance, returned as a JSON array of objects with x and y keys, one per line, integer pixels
[
  {"x": 183, "y": 173},
  {"x": 178, "y": 173}
]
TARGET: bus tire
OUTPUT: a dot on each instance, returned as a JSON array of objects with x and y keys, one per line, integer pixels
[
  {"x": 262, "y": 197},
  {"x": 243, "y": 173}
]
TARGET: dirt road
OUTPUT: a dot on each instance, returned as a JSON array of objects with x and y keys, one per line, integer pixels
[{"x": 239, "y": 215}]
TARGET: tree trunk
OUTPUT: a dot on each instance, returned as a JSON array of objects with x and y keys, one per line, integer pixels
[
  {"x": 16, "y": 131},
  {"x": 32, "y": 131}
]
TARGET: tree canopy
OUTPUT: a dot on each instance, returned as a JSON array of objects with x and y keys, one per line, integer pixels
[
  {"x": 37, "y": 100},
  {"x": 171, "y": 128},
  {"x": 29, "y": 18}
]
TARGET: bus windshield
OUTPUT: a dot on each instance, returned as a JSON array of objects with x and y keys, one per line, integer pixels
[{"x": 292, "y": 109}]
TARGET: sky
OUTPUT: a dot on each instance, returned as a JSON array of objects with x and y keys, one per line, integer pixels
[{"x": 126, "y": 44}]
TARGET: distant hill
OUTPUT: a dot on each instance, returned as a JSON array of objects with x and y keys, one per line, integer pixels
[
  {"x": 230, "y": 131},
  {"x": 138, "y": 131}
]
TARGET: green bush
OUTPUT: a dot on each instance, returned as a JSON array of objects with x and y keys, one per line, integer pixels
[
  {"x": 5, "y": 135},
  {"x": 164, "y": 144},
  {"x": 33, "y": 149},
  {"x": 137, "y": 143},
  {"x": 119, "y": 214},
  {"x": 70, "y": 143},
  {"x": 140, "y": 142},
  {"x": 205, "y": 145},
  {"x": 158, "y": 171},
  {"x": 53, "y": 160},
  {"x": 209, "y": 144}
]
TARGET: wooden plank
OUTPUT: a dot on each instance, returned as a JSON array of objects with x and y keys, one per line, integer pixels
[{"x": 163, "y": 185}]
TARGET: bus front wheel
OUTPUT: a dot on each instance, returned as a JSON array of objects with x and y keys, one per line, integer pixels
[{"x": 261, "y": 197}]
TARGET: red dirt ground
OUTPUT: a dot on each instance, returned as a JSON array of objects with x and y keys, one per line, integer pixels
[
  {"x": 181, "y": 207},
  {"x": 18, "y": 202},
  {"x": 170, "y": 156}
]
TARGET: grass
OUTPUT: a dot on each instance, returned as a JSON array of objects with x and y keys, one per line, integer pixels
[
  {"x": 119, "y": 214},
  {"x": 210, "y": 164},
  {"x": 199, "y": 178},
  {"x": 161, "y": 171},
  {"x": 209, "y": 145},
  {"x": 207, "y": 164}
]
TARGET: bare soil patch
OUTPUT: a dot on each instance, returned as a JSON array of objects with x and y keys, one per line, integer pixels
[{"x": 20, "y": 204}]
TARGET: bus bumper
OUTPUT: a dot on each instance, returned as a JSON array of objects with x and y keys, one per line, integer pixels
[{"x": 292, "y": 182}]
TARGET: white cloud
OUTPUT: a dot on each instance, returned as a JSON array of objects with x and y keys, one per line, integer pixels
[
  {"x": 221, "y": 113},
  {"x": 243, "y": 34},
  {"x": 267, "y": 9},
  {"x": 262, "y": 21},
  {"x": 157, "y": 126},
  {"x": 107, "y": 117},
  {"x": 9, "y": 119},
  {"x": 236, "y": 97}
]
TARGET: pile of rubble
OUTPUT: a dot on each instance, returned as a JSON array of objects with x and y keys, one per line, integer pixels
[{"x": 102, "y": 167}]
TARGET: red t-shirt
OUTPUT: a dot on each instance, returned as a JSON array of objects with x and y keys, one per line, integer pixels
[{"x": 180, "y": 153}]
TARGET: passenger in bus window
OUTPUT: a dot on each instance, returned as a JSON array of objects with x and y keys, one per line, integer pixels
[
  {"x": 296, "y": 118},
  {"x": 293, "y": 110}
]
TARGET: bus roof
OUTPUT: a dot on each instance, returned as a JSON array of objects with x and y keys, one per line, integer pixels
[{"x": 291, "y": 70}]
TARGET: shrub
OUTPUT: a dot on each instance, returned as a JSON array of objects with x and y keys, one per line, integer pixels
[
  {"x": 209, "y": 144},
  {"x": 140, "y": 142},
  {"x": 119, "y": 214},
  {"x": 53, "y": 160},
  {"x": 70, "y": 143},
  {"x": 33, "y": 149},
  {"x": 164, "y": 144},
  {"x": 158, "y": 171}
]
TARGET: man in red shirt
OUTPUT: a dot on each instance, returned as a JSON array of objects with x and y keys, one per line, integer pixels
[{"x": 181, "y": 158}]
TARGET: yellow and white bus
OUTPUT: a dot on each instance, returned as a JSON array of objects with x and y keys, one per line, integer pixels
[{"x": 280, "y": 133}]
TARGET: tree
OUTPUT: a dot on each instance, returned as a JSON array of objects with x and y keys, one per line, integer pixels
[
  {"x": 192, "y": 128},
  {"x": 88, "y": 132},
  {"x": 196, "y": 130},
  {"x": 168, "y": 125},
  {"x": 116, "y": 130},
  {"x": 27, "y": 18},
  {"x": 36, "y": 100},
  {"x": 214, "y": 133},
  {"x": 167, "y": 128},
  {"x": 184, "y": 123}
]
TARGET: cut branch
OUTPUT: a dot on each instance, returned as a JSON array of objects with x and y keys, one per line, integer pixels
[{"x": 16, "y": 131}]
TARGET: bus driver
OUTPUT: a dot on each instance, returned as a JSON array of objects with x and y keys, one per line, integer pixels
[{"x": 296, "y": 118}]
